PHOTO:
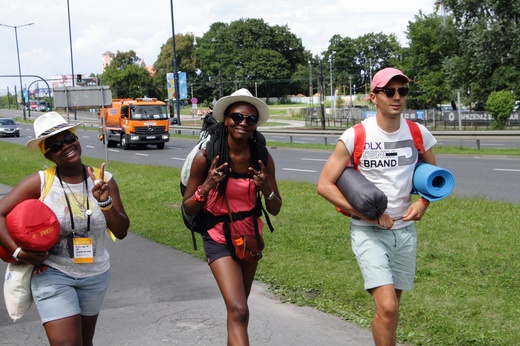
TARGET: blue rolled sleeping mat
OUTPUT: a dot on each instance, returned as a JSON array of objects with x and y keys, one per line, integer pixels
[
  {"x": 432, "y": 182},
  {"x": 362, "y": 194}
]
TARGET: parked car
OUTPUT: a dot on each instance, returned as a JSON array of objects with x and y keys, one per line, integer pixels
[{"x": 8, "y": 127}]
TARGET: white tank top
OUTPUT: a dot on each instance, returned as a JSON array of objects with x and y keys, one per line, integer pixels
[{"x": 59, "y": 254}]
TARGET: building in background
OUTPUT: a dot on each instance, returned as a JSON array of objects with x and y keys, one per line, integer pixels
[{"x": 106, "y": 58}]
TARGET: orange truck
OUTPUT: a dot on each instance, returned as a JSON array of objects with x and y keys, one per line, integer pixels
[{"x": 136, "y": 122}]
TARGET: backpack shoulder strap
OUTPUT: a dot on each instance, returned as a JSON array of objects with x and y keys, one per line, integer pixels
[
  {"x": 417, "y": 138},
  {"x": 49, "y": 173},
  {"x": 263, "y": 153},
  {"x": 359, "y": 144}
]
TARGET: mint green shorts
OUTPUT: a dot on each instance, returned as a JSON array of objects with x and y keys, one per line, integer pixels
[{"x": 385, "y": 257}]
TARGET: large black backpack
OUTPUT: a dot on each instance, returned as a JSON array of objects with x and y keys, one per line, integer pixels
[{"x": 210, "y": 140}]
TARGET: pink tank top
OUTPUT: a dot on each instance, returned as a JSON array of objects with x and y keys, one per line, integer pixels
[{"x": 241, "y": 196}]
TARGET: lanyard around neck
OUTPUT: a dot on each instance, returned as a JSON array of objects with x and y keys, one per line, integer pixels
[{"x": 68, "y": 202}]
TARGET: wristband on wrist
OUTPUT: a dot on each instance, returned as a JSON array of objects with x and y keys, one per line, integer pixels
[
  {"x": 199, "y": 197},
  {"x": 424, "y": 201},
  {"x": 105, "y": 203},
  {"x": 108, "y": 207},
  {"x": 16, "y": 252}
]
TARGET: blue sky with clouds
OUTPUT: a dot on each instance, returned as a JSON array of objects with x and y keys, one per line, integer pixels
[{"x": 98, "y": 26}]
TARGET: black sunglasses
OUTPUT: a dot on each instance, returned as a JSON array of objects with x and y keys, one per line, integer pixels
[
  {"x": 58, "y": 145},
  {"x": 237, "y": 118},
  {"x": 390, "y": 92}
]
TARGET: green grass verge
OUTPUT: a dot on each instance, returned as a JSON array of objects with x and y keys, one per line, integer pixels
[{"x": 468, "y": 278}]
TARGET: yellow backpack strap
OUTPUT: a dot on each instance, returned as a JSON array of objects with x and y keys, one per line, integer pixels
[{"x": 49, "y": 173}]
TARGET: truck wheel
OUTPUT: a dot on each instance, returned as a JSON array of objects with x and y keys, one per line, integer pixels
[
  {"x": 124, "y": 143},
  {"x": 160, "y": 145}
]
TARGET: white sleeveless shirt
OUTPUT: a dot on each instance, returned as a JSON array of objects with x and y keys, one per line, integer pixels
[{"x": 60, "y": 254}]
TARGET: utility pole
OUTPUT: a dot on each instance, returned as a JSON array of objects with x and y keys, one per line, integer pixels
[
  {"x": 311, "y": 97},
  {"x": 370, "y": 72},
  {"x": 175, "y": 73},
  {"x": 350, "y": 93},
  {"x": 19, "y": 66},
  {"x": 332, "y": 97},
  {"x": 322, "y": 95},
  {"x": 310, "y": 79}
]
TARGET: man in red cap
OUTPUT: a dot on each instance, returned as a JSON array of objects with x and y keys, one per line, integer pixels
[{"x": 385, "y": 248}]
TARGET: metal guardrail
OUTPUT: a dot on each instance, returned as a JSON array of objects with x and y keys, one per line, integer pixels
[
  {"x": 329, "y": 136},
  {"x": 332, "y": 135}
]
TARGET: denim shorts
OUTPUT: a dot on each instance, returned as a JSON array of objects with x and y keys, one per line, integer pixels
[
  {"x": 57, "y": 295},
  {"x": 214, "y": 250},
  {"x": 385, "y": 257}
]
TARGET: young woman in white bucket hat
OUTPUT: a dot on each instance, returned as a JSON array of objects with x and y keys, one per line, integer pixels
[{"x": 70, "y": 280}]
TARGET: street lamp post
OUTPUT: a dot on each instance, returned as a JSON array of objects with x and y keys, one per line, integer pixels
[
  {"x": 175, "y": 73},
  {"x": 332, "y": 98},
  {"x": 19, "y": 66},
  {"x": 70, "y": 43},
  {"x": 71, "y": 61},
  {"x": 350, "y": 93},
  {"x": 310, "y": 79},
  {"x": 311, "y": 97}
]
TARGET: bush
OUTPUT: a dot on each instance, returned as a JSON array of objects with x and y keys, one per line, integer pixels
[{"x": 500, "y": 105}]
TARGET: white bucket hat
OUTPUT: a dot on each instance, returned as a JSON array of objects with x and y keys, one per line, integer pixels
[
  {"x": 47, "y": 125},
  {"x": 241, "y": 95}
]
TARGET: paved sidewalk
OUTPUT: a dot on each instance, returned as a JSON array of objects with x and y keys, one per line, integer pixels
[{"x": 161, "y": 296}]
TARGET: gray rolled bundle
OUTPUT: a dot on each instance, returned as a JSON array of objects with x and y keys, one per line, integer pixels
[{"x": 362, "y": 194}]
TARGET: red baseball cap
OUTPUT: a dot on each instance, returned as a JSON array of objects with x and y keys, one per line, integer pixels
[{"x": 382, "y": 77}]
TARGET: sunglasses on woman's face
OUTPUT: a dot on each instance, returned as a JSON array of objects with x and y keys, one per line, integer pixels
[
  {"x": 390, "y": 92},
  {"x": 58, "y": 145},
  {"x": 237, "y": 118}
]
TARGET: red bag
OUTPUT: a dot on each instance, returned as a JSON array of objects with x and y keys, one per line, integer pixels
[
  {"x": 33, "y": 226},
  {"x": 247, "y": 248}
]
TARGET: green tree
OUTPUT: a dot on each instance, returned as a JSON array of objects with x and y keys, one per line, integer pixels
[
  {"x": 185, "y": 49},
  {"x": 8, "y": 101},
  {"x": 246, "y": 51},
  {"x": 432, "y": 41},
  {"x": 300, "y": 77},
  {"x": 345, "y": 61},
  {"x": 500, "y": 105},
  {"x": 127, "y": 78},
  {"x": 359, "y": 58},
  {"x": 489, "y": 39}
]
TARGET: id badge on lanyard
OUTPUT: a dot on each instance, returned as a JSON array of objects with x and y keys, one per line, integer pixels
[{"x": 83, "y": 250}]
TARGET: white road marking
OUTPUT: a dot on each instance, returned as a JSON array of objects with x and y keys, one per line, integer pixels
[
  {"x": 506, "y": 170},
  {"x": 320, "y": 160},
  {"x": 299, "y": 170},
  {"x": 139, "y": 154}
]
